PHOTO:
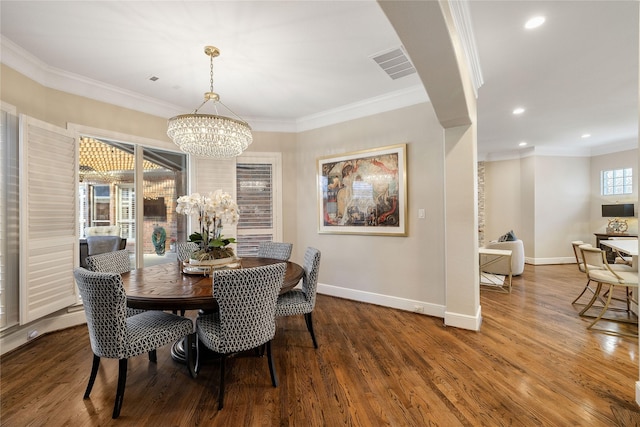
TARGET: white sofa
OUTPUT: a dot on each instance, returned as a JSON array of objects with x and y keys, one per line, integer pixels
[{"x": 517, "y": 257}]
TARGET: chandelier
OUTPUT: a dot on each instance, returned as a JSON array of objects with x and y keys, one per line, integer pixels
[{"x": 210, "y": 135}]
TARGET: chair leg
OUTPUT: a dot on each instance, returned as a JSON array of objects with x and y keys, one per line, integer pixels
[
  {"x": 191, "y": 354},
  {"x": 581, "y": 293},
  {"x": 595, "y": 296},
  {"x": 122, "y": 380},
  {"x": 92, "y": 377},
  {"x": 309, "y": 320},
  {"x": 272, "y": 366},
  {"x": 221, "y": 393},
  {"x": 153, "y": 356},
  {"x": 604, "y": 309}
]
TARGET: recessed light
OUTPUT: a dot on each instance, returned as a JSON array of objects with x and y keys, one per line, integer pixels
[
  {"x": 585, "y": 135},
  {"x": 518, "y": 110},
  {"x": 534, "y": 22},
  {"x": 522, "y": 144}
]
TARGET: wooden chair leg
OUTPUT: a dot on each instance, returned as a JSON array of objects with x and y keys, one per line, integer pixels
[
  {"x": 122, "y": 380},
  {"x": 153, "y": 356},
  {"x": 309, "y": 320},
  {"x": 221, "y": 392},
  {"x": 272, "y": 366},
  {"x": 191, "y": 354},
  {"x": 92, "y": 377}
]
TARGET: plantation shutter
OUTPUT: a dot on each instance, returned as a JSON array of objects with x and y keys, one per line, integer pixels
[
  {"x": 259, "y": 199},
  {"x": 48, "y": 206},
  {"x": 255, "y": 200},
  {"x": 212, "y": 175}
]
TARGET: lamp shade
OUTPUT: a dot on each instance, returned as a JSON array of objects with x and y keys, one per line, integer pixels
[{"x": 618, "y": 211}]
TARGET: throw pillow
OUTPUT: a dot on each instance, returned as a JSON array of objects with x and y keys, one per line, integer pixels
[{"x": 508, "y": 237}]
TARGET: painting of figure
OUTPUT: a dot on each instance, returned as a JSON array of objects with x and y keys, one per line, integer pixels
[{"x": 363, "y": 192}]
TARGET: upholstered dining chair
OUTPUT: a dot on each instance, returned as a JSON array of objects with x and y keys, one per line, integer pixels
[
  {"x": 600, "y": 272},
  {"x": 115, "y": 336},
  {"x": 185, "y": 249},
  {"x": 578, "y": 254},
  {"x": 246, "y": 317},
  {"x": 583, "y": 268},
  {"x": 303, "y": 301},
  {"x": 112, "y": 262},
  {"x": 276, "y": 250}
]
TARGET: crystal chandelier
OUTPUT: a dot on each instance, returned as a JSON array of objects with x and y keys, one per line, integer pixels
[{"x": 210, "y": 135}]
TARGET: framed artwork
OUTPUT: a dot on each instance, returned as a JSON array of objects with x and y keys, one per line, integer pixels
[{"x": 364, "y": 192}]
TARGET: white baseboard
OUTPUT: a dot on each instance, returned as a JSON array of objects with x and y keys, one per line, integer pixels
[
  {"x": 464, "y": 321},
  {"x": 547, "y": 261},
  {"x": 384, "y": 300},
  {"x": 14, "y": 338},
  {"x": 450, "y": 319}
]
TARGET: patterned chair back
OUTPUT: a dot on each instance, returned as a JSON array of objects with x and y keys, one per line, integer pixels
[
  {"x": 185, "y": 249},
  {"x": 276, "y": 250},
  {"x": 247, "y": 301},
  {"x": 110, "y": 262},
  {"x": 105, "y": 304},
  {"x": 310, "y": 280}
]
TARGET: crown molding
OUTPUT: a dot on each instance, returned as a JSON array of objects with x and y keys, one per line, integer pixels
[
  {"x": 368, "y": 107},
  {"x": 462, "y": 21},
  {"x": 25, "y": 63}
]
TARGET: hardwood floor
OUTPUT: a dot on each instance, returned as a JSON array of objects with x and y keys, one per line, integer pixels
[{"x": 532, "y": 363}]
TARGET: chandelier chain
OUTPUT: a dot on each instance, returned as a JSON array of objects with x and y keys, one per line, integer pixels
[
  {"x": 210, "y": 135},
  {"x": 211, "y": 72}
]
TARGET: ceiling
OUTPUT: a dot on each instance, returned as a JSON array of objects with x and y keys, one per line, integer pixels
[{"x": 295, "y": 65}]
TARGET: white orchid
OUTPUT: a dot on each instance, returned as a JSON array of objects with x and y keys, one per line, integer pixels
[{"x": 212, "y": 210}]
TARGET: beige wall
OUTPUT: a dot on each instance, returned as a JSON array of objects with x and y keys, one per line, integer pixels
[
  {"x": 550, "y": 201},
  {"x": 562, "y": 205},
  {"x": 502, "y": 199},
  {"x": 408, "y": 267},
  {"x": 405, "y": 269},
  {"x": 623, "y": 159}
]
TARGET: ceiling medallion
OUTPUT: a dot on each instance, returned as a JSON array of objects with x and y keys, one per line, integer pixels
[{"x": 210, "y": 135}]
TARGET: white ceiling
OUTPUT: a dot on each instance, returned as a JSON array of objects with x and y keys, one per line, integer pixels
[{"x": 294, "y": 65}]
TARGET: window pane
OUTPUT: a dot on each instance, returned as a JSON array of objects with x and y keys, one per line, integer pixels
[
  {"x": 618, "y": 181},
  {"x": 164, "y": 179}
]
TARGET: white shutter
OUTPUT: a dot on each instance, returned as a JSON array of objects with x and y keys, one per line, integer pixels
[
  {"x": 48, "y": 206},
  {"x": 258, "y": 195},
  {"x": 211, "y": 175}
]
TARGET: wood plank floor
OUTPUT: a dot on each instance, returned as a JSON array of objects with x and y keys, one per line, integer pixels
[{"x": 532, "y": 363}]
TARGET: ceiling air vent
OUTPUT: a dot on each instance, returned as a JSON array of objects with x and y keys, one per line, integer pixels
[{"x": 395, "y": 63}]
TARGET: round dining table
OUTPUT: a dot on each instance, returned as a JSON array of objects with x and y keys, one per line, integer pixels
[{"x": 167, "y": 287}]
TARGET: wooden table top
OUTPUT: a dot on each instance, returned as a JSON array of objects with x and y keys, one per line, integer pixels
[{"x": 165, "y": 287}]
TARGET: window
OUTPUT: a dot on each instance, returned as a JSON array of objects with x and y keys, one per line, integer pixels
[
  {"x": 257, "y": 181},
  {"x": 108, "y": 194},
  {"x": 617, "y": 181}
]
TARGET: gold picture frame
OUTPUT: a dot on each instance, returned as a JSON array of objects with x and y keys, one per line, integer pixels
[{"x": 363, "y": 192}]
